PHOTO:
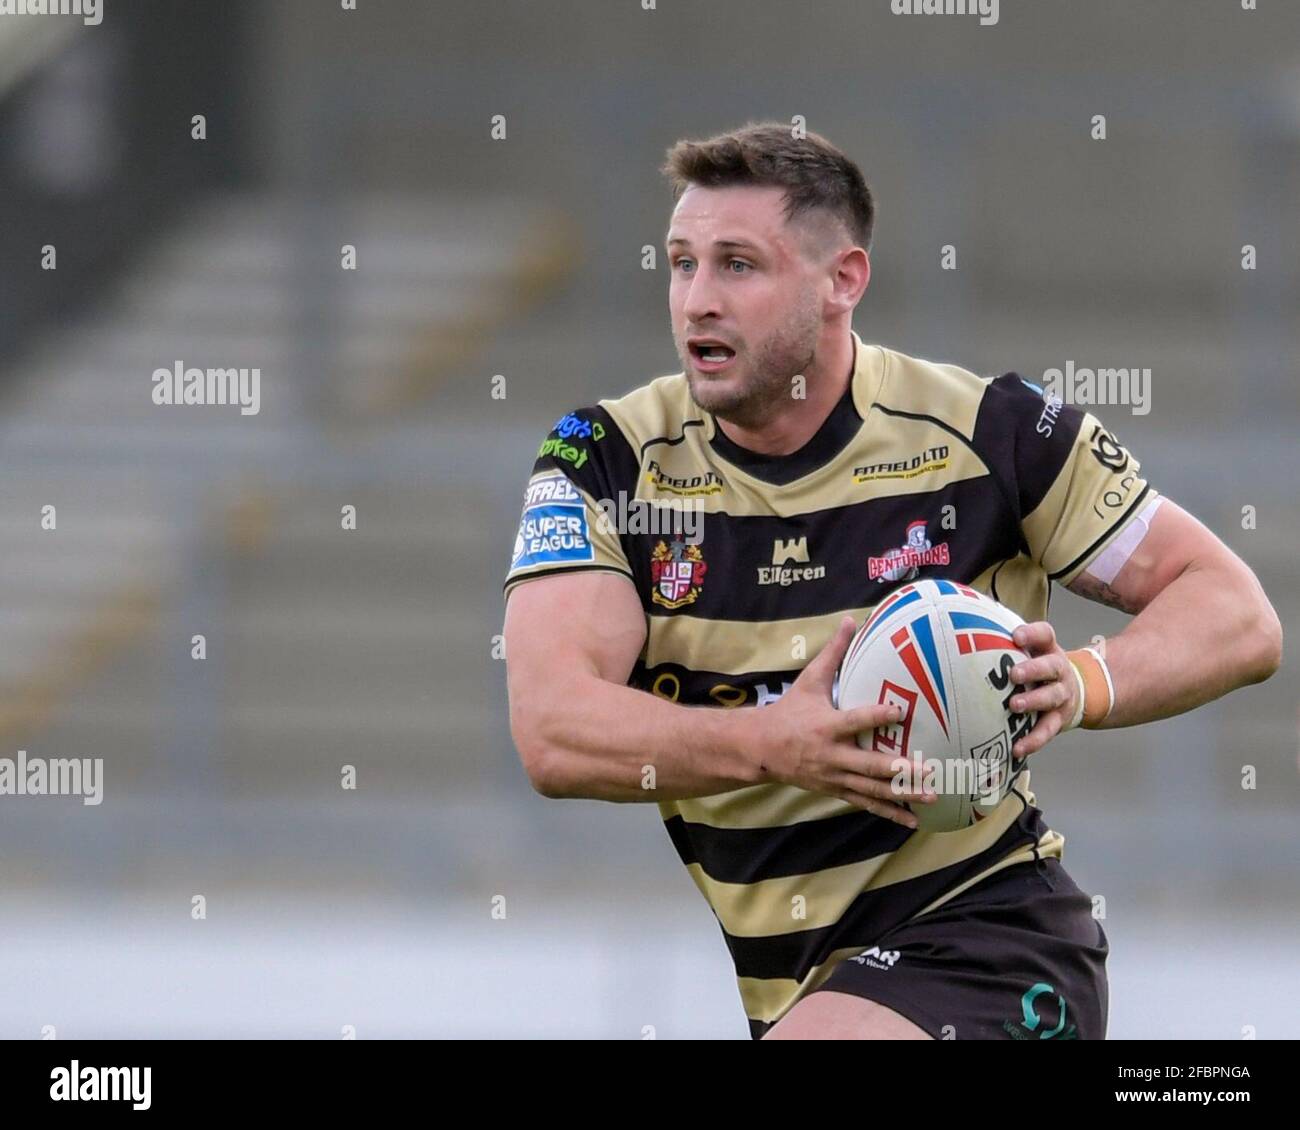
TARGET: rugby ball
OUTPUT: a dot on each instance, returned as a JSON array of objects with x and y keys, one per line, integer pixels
[{"x": 942, "y": 653}]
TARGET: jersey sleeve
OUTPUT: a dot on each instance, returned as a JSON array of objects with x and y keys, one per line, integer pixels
[
  {"x": 1073, "y": 485},
  {"x": 584, "y": 462}
]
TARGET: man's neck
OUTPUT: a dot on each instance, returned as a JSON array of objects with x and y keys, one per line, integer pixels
[{"x": 799, "y": 419}]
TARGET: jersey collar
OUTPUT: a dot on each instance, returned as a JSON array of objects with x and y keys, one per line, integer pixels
[{"x": 834, "y": 435}]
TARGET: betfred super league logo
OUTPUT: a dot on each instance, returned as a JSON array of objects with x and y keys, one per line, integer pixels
[
  {"x": 677, "y": 573},
  {"x": 902, "y": 564}
]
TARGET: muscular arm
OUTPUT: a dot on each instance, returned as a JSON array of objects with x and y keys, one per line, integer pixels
[
  {"x": 571, "y": 642},
  {"x": 1203, "y": 626}
]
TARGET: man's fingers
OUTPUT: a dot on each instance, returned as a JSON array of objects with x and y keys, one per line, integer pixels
[
  {"x": 1044, "y": 669},
  {"x": 1036, "y": 637},
  {"x": 1049, "y": 696},
  {"x": 876, "y": 773},
  {"x": 1049, "y": 688},
  {"x": 864, "y": 719},
  {"x": 883, "y": 808},
  {"x": 1049, "y": 725}
]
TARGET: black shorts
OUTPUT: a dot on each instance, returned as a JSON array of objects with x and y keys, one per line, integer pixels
[{"x": 1018, "y": 956}]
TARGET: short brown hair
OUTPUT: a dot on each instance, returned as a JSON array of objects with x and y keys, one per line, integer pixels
[{"x": 815, "y": 174}]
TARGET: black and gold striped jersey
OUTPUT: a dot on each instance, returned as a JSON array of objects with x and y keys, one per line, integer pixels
[{"x": 745, "y": 564}]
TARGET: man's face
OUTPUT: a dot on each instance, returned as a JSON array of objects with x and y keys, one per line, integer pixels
[{"x": 741, "y": 278}]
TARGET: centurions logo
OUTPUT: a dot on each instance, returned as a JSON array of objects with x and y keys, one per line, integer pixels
[
  {"x": 677, "y": 572},
  {"x": 902, "y": 564}
]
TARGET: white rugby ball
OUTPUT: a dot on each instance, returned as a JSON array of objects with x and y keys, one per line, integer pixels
[{"x": 943, "y": 653}]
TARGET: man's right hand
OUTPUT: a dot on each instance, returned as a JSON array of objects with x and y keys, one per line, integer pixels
[{"x": 803, "y": 740}]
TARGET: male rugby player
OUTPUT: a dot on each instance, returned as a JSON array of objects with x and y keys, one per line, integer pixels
[{"x": 697, "y": 671}]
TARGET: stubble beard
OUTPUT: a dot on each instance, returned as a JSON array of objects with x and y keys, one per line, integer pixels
[{"x": 767, "y": 388}]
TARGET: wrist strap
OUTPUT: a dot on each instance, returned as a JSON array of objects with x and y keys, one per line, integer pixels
[{"x": 1098, "y": 689}]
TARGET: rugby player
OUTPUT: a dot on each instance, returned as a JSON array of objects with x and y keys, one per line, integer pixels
[{"x": 697, "y": 672}]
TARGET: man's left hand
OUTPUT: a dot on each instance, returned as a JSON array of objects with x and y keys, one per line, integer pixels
[{"x": 1052, "y": 690}]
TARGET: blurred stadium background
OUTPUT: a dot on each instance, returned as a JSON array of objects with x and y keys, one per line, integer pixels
[{"x": 521, "y": 257}]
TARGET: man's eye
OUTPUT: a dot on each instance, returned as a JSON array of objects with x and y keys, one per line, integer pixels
[{"x": 682, "y": 264}]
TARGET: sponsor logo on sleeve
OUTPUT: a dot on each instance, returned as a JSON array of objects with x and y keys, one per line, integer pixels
[
  {"x": 1051, "y": 412},
  {"x": 1107, "y": 450},
  {"x": 553, "y": 527},
  {"x": 567, "y": 440},
  {"x": 1117, "y": 490},
  {"x": 573, "y": 426},
  {"x": 569, "y": 452}
]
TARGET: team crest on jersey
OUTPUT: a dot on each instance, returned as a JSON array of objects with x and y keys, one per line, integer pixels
[
  {"x": 903, "y": 563},
  {"x": 677, "y": 573}
]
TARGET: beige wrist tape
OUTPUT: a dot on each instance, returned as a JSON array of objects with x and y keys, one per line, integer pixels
[
  {"x": 1082, "y": 695},
  {"x": 1094, "y": 678}
]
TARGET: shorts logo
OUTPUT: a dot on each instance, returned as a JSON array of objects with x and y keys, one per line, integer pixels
[
  {"x": 553, "y": 527},
  {"x": 677, "y": 573},
  {"x": 877, "y": 958},
  {"x": 902, "y": 564},
  {"x": 1035, "y": 1022}
]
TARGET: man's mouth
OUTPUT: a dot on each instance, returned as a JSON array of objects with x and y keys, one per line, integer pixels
[{"x": 711, "y": 355}]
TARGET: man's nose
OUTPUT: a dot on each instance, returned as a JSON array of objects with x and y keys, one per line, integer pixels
[{"x": 701, "y": 302}]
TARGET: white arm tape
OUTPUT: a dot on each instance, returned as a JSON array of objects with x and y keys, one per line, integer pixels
[{"x": 1112, "y": 559}]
